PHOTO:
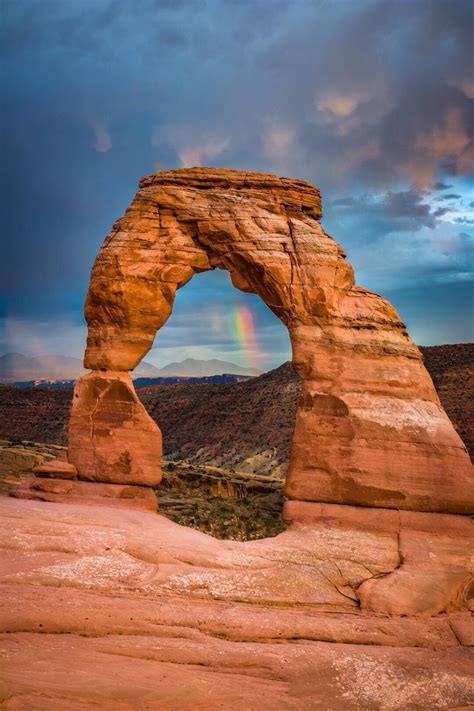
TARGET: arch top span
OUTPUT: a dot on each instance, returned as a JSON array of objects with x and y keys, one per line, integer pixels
[
  {"x": 264, "y": 230},
  {"x": 292, "y": 193},
  {"x": 369, "y": 431}
]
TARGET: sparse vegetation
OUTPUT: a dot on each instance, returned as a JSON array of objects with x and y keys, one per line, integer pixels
[{"x": 238, "y": 506}]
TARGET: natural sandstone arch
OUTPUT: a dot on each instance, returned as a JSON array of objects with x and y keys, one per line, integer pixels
[{"x": 370, "y": 430}]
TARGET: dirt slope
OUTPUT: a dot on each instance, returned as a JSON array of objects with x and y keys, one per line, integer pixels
[
  {"x": 245, "y": 425},
  {"x": 452, "y": 370}
]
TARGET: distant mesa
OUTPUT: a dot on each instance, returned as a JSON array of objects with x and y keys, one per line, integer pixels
[{"x": 57, "y": 370}]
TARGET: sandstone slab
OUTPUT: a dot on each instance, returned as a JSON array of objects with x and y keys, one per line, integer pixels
[
  {"x": 63, "y": 490},
  {"x": 57, "y": 468},
  {"x": 83, "y": 588},
  {"x": 332, "y": 564}
]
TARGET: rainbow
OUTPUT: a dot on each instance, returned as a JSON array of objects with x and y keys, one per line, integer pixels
[{"x": 243, "y": 330}]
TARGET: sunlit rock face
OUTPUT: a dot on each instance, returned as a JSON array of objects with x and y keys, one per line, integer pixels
[
  {"x": 370, "y": 429},
  {"x": 106, "y": 415}
]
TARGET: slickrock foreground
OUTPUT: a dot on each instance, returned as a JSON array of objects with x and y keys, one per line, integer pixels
[
  {"x": 363, "y": 602},
  {"x": 107, "y": 608}
]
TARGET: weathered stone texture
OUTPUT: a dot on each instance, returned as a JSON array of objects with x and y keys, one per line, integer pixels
[
  {"x": 111, "y": 436},
  {"x": 103, "y": 607}
]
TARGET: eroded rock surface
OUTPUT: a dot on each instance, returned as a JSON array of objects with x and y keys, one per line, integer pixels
[
  {"x": 111, "y": 436},
  {"x": 105, "y": 607}
]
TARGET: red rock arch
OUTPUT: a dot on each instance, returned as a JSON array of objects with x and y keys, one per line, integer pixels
[{"x": 370, "y": 429}]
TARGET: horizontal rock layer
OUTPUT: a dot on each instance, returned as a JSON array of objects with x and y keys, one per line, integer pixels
[{"x": 61, "y": 490}]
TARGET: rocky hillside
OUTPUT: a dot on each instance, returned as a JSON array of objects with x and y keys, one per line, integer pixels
[
  {"x": 34, "y": 414},
  {"x": 245, "y": 426},
  {"x": 452, "y": 370}
]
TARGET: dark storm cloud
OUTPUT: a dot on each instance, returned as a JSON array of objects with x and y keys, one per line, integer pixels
[
  {"x": 423, "y": 309},
  {"x": 402, "y": 211},
  {"x": 372, "y": 101}
]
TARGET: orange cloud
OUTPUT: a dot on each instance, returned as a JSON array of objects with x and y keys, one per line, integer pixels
[
  {"x": 450, "y": 140},
  {"x": 201, "y": 154},
  {"x": 334, "y": 106},
  {"x": 103, "y": 141}
]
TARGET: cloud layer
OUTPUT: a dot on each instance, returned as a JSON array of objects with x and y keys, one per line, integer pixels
[{"x": 371, "y": 101}]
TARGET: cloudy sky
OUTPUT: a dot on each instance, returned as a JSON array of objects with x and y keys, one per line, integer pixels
[{"x": 371, "y": 100}]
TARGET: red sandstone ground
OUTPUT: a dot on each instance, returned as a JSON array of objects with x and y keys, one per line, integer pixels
[
  {"x": 112, "y": 609},
  {"x": 224, "y": 425}
]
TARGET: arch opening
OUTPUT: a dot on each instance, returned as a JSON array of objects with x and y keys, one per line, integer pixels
[{"x": 225, "y": 444}]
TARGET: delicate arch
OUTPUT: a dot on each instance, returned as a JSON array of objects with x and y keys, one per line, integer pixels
[{"x": 369, "y": 428}]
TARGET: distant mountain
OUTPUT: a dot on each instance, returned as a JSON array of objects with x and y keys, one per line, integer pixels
[
  {"x": 16, "y": 367},
  {"x": 201, "y": 368},
  {"x": 145, "y": 370}
]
